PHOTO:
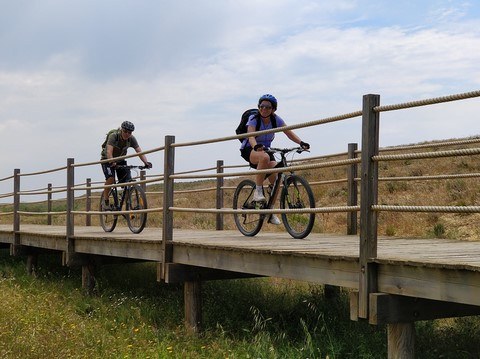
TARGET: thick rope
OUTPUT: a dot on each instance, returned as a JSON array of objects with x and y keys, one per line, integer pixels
[
  {"x": 420, "y": 155},
  {"x": 114, "y": 213},
  {"x": 272, "y": 170},
  {"x": 273, "y": 130},
  {"x": 264, "y": 211},
  {"x": 430, "y": 177},
  {"x": 442, "y": 209},
  {"x": 430, "y": 145},
  {"x": 426, "y": 102}
]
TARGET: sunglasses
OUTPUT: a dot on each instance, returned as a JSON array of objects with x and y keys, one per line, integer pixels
[{"x": 263, "y": 107}]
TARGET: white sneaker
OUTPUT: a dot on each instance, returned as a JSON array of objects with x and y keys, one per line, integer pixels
[
  {"x": 274, "y": 220},
  {"x": 258, "y": 197}
]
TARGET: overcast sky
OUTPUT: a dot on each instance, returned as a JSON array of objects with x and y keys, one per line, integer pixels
[{"x": 70, "y": 70}]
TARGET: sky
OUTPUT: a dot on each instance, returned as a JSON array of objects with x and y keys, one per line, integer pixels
[{"x": 70, "y": 70}]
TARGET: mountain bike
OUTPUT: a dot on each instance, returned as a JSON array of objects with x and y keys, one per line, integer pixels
[
  {"x": 133, "y": 197},
  {"x": 296, "y": 194}
]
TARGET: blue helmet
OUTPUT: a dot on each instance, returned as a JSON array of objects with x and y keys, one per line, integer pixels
[
  {"x": 269, "y": 98},
  {"x": 127, "y": 125}
]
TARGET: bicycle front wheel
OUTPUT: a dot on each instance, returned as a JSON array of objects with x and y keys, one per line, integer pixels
[
  {"x": 136, "y": 200},
  {"x": 297, "y": 194},
  {"x": 108, "y": 220},
  {"x": 248, "y": 224}
]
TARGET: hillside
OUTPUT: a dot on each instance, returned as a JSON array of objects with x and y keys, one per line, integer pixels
[{"x": 444, "y": 192}]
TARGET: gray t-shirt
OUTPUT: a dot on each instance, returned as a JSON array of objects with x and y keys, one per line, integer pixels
[{"x": 120, "y": 146}]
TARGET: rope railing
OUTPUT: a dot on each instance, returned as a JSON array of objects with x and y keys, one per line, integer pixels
[
  {"x": 147, "y": 210},
  {"x": 123, "y": 184},
  {"x": 272, "y": 170},
  {"x": 269, "y": 211},
  {"x": 424, "y": 155},
  {"x": 273, "y": 130},
  {"x": 441, "y": 209},
  {"x": 43, "y": 172},
  {"x": 430, "y": 177},
  {"x": 119, "y": 158},
  {"x": 430, "y": 145},
  {"x": 431, "y": 101},
  {"x": 6, "y": 178}
]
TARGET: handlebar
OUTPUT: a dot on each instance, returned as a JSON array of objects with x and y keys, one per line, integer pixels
[
  {"x": 284, "y": 151},
  {"x": 132, "y": 167}
]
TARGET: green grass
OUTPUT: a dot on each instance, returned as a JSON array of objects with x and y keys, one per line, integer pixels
[{"x": 133, "y": 316}]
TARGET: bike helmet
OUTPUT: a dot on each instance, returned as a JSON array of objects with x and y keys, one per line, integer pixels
[
  {"x": 127, "y": 125},
  {"x": 269, "y": 98}
]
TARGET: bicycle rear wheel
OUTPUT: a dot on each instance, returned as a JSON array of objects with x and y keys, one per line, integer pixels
[
  {"x": 108, "y": 220},
  {"x": 248, "y": 224},
  {"x": 136, "y": 200},
  {"x": 297, "y": 194}
]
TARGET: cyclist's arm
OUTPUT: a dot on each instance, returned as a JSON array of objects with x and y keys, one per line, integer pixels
[
  {"x": 142, "y": 157},
  {"x": 252, "y": 139},
  {"x": 291, "y": 135},
  {"x": 109, "y": 151}
]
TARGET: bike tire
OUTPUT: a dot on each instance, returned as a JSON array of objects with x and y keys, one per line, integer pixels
[
  {"x": 297, "y": 194},
  {"x": 108, "y": 221},
  {"x": 248, "y": 224},
  {"x": 136, "y": 200}
]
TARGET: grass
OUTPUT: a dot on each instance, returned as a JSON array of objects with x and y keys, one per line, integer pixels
[{"x": 133, "y": 316}]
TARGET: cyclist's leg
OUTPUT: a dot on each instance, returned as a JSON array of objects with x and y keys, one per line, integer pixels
[
  {"x": 109, "y": 178},
  {"x": 262, "y": 160}
]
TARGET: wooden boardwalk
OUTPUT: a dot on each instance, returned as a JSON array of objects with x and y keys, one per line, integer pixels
[{"x": 438, "y": 269}]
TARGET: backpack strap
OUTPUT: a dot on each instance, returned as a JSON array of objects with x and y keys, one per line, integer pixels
[{"x": 273, "y": 120}]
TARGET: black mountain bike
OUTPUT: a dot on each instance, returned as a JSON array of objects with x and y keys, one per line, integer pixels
[
  {"x": 134, "y": 198},
  {"x": 296, "y": 194}
]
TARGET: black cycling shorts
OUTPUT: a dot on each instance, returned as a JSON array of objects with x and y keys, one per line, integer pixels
[
  {"x": 245, "y": 153},
  {"x": 123, "y": 174}
]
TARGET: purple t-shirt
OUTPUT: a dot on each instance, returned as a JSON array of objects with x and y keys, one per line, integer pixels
[{"x": 266, "y": 139}]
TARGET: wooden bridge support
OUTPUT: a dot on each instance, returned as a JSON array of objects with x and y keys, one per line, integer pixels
[
  {"x": 401, "y": 340},
  {"x": 193, "y": 306},
  {"x": 88, "y": 277},
  {"x": 32, "y": 262}
]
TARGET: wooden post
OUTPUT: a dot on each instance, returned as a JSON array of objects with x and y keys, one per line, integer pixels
[
  {"x": 369, "y": 196},
  {"x": 49, "y": 204},
  {"x": 167, "y": 228},
  {"x": 70, "y": 203},
  {"x": 193, "y": 306},
  {"x": 352, "y": 173},
  {"x": 143, "y": 176},
  {"x": 88, "y": 202},
  {"x": 219, "y": 196},
  {"x": 14, "y": 249},
  {"x": 88, "y": 277},
  {"x": 32, "y": 261},
  {"x": 401, "y": 341}
]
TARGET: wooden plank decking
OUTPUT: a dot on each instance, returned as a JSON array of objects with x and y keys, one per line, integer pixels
[{"x": 438, "y": 269}]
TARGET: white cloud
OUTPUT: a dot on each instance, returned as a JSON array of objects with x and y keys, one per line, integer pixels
[{"x": 76, "y": 70}]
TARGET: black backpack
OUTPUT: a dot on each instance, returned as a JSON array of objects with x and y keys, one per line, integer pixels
[{"x": 242, "y": 127}]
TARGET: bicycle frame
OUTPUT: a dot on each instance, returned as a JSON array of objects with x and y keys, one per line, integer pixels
[{"x": 280, "y": 179}]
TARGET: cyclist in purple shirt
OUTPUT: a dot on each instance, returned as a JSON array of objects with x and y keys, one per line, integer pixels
[{"x": 252, "y": 148}]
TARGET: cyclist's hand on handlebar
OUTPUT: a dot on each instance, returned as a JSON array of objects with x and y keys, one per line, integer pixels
[
  {"x": 148, "y": 165},
  {"x": 304, "y": 145},
  {"x": 258, "y": 147},
  {"x": 113, "y": 164}
]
